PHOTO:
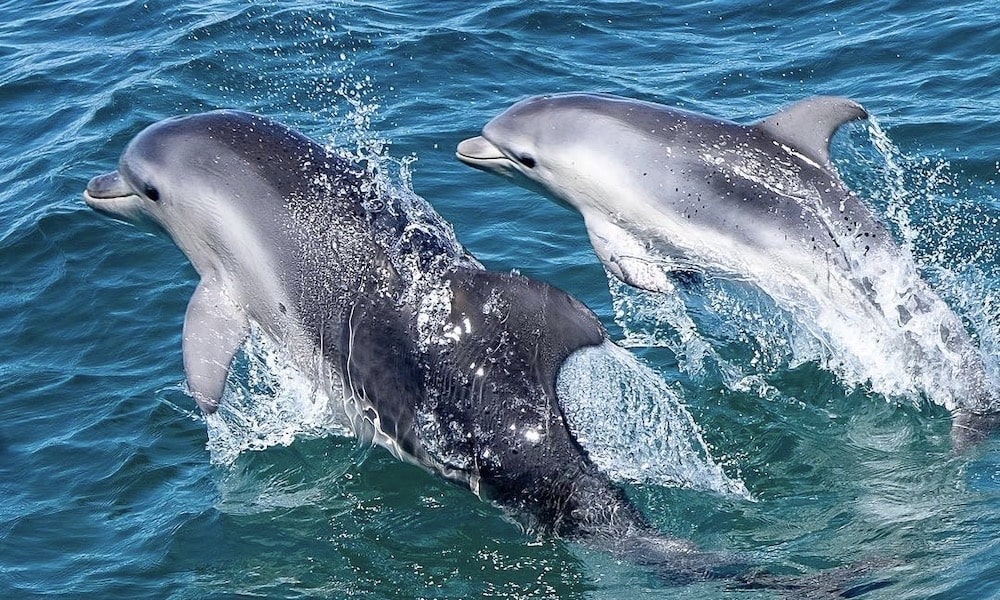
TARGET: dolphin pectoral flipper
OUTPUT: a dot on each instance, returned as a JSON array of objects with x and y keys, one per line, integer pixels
[
  {"x": 623, "y": 255},
  {"x": 808, "y": 125},
  {"x": 214, "y": 329}
]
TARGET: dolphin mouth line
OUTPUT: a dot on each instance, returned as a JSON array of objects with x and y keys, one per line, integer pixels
[
  {"x": 117, "y": 207},
  {"x": 481, "y": 153},
  {"x": 112, "y": 195},
  {"x": 92, "y": 197}
]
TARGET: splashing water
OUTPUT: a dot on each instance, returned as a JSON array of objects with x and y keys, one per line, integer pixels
[
  {"x": 946, "y": 241},
  {"x": 633, "y": 426},
  {"x": 880, "y": 325},
  {"x": 948, "y": 236},
  {"x": 269, "y": 402}
]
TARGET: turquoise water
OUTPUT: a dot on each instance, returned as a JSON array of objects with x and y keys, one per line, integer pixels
[{"x": 111, "y": 484}]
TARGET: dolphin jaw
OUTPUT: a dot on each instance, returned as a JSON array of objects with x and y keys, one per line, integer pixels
[
  {"x": 121, "y": 207},
  {"x": 480, "y": 153},
  {"x": 124, "y": 208},
  {"x": 110, "y": 195}
]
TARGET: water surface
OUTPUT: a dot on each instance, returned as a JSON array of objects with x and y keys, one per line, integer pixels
[{"x": 108, "y": 487}]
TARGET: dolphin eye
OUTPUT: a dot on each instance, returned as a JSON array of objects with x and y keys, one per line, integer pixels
[
  {"x": 152, "y": 193},
  {"x": 526, "y": 160}
]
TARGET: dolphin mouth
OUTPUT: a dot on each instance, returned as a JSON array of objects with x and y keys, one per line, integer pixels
[
  {"x": 111, "y": 195},
  {"x": 480, "y": 153}
]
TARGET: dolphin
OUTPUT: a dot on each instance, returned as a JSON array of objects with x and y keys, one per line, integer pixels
[
  {"x": 446, "y": 365},
  {"x": 664, "y": 191}
]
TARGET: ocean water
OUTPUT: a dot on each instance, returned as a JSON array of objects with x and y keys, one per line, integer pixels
[{"x": 113, "y": 486}]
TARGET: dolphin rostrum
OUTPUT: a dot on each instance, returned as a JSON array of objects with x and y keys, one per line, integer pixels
[{"x": 664, "y": 190}]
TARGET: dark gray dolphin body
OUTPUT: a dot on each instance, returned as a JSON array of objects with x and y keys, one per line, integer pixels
[
  {"x": 446, "y": 365},
  {"x": 663, "y": 190}
]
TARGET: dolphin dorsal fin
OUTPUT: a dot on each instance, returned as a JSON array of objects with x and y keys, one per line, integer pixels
[{"x": 808, "y": 125}]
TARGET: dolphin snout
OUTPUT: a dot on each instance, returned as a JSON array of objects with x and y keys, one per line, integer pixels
[
  {"x": 478, "y": 149},
  {"x": 111, "y": 195},
  {"x": 480, "y": 153},
  {"x": 109, "y": 185}
]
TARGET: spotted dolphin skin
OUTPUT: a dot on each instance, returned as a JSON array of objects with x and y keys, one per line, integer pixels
[
  {"x": 664, "y": 190},
  {"x": 446, "y": 365}
]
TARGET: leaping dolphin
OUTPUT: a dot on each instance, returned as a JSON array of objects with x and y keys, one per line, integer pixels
[
  {"x": 662, "y": 189},
  {"x": 448, "y": 366}
]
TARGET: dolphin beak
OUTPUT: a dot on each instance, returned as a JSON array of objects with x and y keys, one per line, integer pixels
[
  {"x": 480, "y": 153},
  {"x": 111, "y": 195}
]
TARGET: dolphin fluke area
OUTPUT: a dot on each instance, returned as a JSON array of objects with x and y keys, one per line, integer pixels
[
  {"x": 415, "y": 346},
  {"x": 665, "y": 191}
]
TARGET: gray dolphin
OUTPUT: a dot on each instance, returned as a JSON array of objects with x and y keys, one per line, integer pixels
[
  {"x": 663, "y": 190},
  {"x": 446, "y": 365}
]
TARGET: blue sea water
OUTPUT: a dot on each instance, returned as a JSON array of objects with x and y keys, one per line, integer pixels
[{"x": 113, "y": 486}]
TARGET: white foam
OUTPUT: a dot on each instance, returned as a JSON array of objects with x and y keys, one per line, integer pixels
[
  {"x": 269, "y": 401},
  {"x": 879, "y": 326},
  {"x": 633, "y": 425}
]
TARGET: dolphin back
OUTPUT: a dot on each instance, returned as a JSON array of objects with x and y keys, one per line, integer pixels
[{"x": 467, "y": 387}]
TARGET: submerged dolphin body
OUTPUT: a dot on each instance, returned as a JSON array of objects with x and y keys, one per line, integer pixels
[
  {"x": 446, "y": 365},
  {"x": 662, "y": 190}
]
